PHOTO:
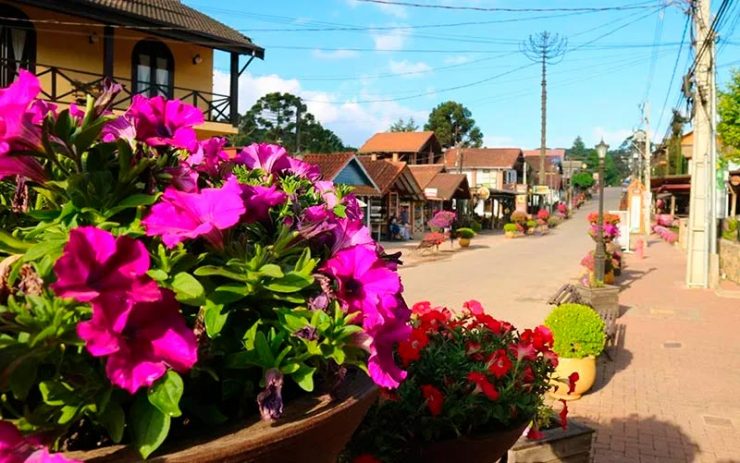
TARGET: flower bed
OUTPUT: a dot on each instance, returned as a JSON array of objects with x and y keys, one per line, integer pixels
[
  {"x": 155, "y": 285},
  {"x": 665, "y": 233}
]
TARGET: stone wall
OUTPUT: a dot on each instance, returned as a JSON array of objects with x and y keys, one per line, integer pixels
[{"x": 729, "y": 260}]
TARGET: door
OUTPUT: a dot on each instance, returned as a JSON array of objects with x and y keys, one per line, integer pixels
[{"x": 153, "y": 69}]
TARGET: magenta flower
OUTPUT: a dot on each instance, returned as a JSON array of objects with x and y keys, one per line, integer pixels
[
  {"x": 14, "y": 448},
  {"x": 348, "y": 233},
  {"x": 40, "y": 108},
  {"x": 180, "y": 216},
  {"x": 119, "y": 128},
  {"x": 14, "y": 102},
  {"x": 271, "y": 158},
  {"x": 327, "y": 192},
  {"x": 304, "y": 169},
  {"x": 159, "y": 121},
  {"x": 184, "y": 178},
  {"x": 25, "y": 166},
  {"x": 381, "y": 364},
  {"x": 259, "y": 199},
  {"x": 100, "y": 268},
  {"x": 210, "y": 156},
  {"x": 154, "y": 338}
]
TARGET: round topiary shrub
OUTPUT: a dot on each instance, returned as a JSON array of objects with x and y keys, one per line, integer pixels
[
  {"x": 510, "y": 227},
  {"x": 577, "y": 329},
  {"x": 531, "y": 223},
  {"x": 466, "y": 233}
]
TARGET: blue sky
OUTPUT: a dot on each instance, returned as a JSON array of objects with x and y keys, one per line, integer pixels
[{"x": 361, "y": 65}]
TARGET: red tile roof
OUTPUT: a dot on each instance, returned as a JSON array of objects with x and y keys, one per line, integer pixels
[
  {"x": 550, "y": 152},
  {"x": 424, "y": 173},
  {"x": 330, "y": 164},
  {"x": 398, "y": 142},
  {"x": 450, "y": 186},
  {"x": 486, "y": 158},
  {"x": 387, "y": 174}
]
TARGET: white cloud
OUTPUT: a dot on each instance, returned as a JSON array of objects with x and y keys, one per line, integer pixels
[
  {"x": 497, "y": 141},
  {"x": 613, "y": 138},
  {"x": 392, "y": 10},
  {"x": 409, "y": 69},
  {"x": 334, "y": 54},
  {"x": 394, "y": 39},
  {"x": 457, "y": 59},
  {"x": 353, "y": 121}
]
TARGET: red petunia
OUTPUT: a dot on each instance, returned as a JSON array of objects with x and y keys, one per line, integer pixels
[
  {"x": 551, "y": 357},
  {"x": 410, "y": 350},
  {"x": 474, "y": 307},
  {"x": 499, "y": 363},
  {"x": 564, "y": 415},
  {"x": 434, "y": 399},
  {"x": 542, "y": 338},
  {"x": 535, "y": 434},
  {"x": 528, "y": 375},
  {"x": 483, "y": 385},
  {"x": 420, "y": 308},
  {"x": 491, "y": 323},
  {"x": 523, "y": 350},
  {"x": 572, "y": 379},
  {"x": 366, "y": 458},
  {"x": 434, "y": 319}
]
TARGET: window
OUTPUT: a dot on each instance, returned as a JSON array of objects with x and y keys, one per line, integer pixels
[
  {"x": 17, "y": 44},
  {"x": 486, "y": 178},
  {"x": 511, "y": 176},
  {"x": 153, "y": 69}
]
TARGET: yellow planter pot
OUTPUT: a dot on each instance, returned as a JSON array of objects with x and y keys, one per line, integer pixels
[
  {"x": 586, "y": 369},
  {"x": 464, "y": 242}
]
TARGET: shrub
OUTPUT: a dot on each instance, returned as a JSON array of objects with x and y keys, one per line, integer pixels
[
  {"x": 553, "y": 222},
  {"x": 510, "y": 227},
  {"x": 466, "y": 233},
  {"x": 730, "y": 231},
  {"x": 518, "y": 217},
  {"x": 531, "y": 223},
  {"x": 476, "y": 226},
  {"x": 543, "y": 214},
  {"x": 578, "y": 331}
]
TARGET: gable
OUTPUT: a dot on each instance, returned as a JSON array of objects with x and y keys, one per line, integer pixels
[{"x": 353, "y": 174}]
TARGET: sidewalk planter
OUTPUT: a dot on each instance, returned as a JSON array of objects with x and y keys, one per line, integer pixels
[
  {"x": 586, "y": 369},
  {"x": 604, "y": 299},
  {"x": 486, "y": 448},
  {"x": 464, "y": 236},
  {"x": 572, "y": 445},
  {"x": 313, "y": 428},
  {"x": 464, "y": 242}
]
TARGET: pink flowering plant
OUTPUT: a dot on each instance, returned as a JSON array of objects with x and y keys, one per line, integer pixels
[{"x": 151, "y": 283}]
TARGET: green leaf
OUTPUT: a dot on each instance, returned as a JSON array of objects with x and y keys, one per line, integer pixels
[
  {"x": 131, "y": 202},
  {"x": 250, "y": 335},
  {"x": 264, "y": 353},
  {"x": 303, "y": 376},
  {"x": 57, "y": 393},
  {"x": 340, "y": 210},
  {"x": 165, "y": 394},
  {"x": 215, "y": 318},
  {"x": 228, "y": 293},
  {"x": 113, "y": 419},
  {"x": 187, "y": 289},
  {"x": 48, "y": 247},
  {"x": 271, "y": 270},
  {"x": 157, "y": 274},
  {"x": 292, "y": 282},
  {"x": 212, "y": 270},
  {"x": 149, "y": 426},
  {"x": 23, "y": 378},
  {"x": 12, "y": 245}
]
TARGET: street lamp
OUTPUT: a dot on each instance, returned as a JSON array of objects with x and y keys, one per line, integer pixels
[{"x": 600, "y": 253}]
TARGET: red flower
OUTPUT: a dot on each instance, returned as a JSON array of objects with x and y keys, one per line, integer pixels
[
  {"x": 483, "y": 385},
  {"x": 366, "y": 458},
  {"x": 535, "y": 434},
  {"x": 434, "y": 319},
  {"x": 421, "y": 307},
  {"x": 491, "y": 323},
  {"x": 434, "y": 399},
  {"x": 528, "y": 374},
  {"x": 551, "y": 357},
  {"x": 542, "y": 338},
  {"x": 388, "y": 394},
  {"x": 572, "y": 379},
  {"x": 499, "y": 363},
  {"x": 564, "y": 415},
  {"x": 474, "y": 307},
  {"x": 523, "y": 350},
  {"x": 410, "y": 350}
]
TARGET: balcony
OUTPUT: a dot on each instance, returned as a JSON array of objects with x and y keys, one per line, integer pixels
[{"x": 65, "y": 86}]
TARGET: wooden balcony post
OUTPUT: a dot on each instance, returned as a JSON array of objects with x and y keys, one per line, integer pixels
[
  {"x": 108, "y": 52},
  {"x": 234, "y": 89}
]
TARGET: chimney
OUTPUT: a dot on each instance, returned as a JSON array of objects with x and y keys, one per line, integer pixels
[
  {"x": 394, "y": 158},
  {"x": 374, "y": 157}
]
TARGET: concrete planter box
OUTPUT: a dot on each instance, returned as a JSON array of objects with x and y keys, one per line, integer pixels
[
  {"x": 729, "y": 260},
  {"x": 558, "y": 446},
  {"x": 605, "y": 299}
]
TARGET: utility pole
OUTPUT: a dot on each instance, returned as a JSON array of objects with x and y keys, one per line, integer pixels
[
  {"x": 703, "y": 265},
  {"x": 298, "y": 130},
  {"x": 648, "y": 155},
  {"x": 544, "y": 48}
]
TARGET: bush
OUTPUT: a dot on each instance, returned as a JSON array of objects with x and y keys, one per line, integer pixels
[
  {"x": 553, "y": 222},
  {"x": 476, "y": 226},
  {"x": 730, "y": 231},
  {"x": 578, "y": 331},
  {"x": 510, "y": 227},
  {"x": 466, "y": 233},
  {"x": 531, "y": 223},
  {"x": 543, "y": 214},
  {"x": 518, "y": 217}
]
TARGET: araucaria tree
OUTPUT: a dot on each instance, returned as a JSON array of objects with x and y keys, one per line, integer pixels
[
  {"x": 452, "y": 124},
  {"x": 729, "y": 113},
  {"x": 284, "y": 118},
  {"x": 402, "y": 125}
]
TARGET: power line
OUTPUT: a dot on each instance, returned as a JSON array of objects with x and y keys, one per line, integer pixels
[
  {"x": 673, "y": 72},
  {"x": 654, "y": 55},
  {"x": 512, "y": 10}
]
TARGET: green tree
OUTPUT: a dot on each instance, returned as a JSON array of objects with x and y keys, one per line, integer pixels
[
  {"x": 452, "y": 124},
  {"x": 283, "y": 118},
  {"x": 583, "y": 180},
  {"x": 578, "y": 151},
  {"x": 402, "y": 125},
  {"x": 729, "y": 113},
  {"x": 673, "y": 161}
]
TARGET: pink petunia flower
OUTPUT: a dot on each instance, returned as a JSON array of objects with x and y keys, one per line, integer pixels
[
  {"x": 160, "y": 122},
  {"x": 259, "y": 199},
  {"x": 210, "y": 156},
  {"x": 180, "y": 216},
  {"x": 14, "y": 448},
  {"x": 98, "y": 267},
  {"x": 154, "y": 338},
  {"x": 271, "y": 158},
  {"x": 348, "y": 233},
  {"x": 304, "y": 169},
  {"x": 119, "y": 128}
]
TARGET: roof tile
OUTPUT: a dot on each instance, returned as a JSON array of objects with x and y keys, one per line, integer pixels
[
  {"x": 397, "y": 142},
  {"x": 491, "y": 158}
]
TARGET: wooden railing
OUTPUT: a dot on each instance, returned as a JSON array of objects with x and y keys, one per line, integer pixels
[{"x": 64, "y": 85}]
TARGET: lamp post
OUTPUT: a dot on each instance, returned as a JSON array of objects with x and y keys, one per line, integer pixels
[{"x": 600, "y": 253}]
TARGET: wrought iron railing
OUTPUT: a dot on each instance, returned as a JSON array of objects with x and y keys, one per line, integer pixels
[{"x": 64, "y": 85}]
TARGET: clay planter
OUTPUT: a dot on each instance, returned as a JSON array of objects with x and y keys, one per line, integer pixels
[
  {"x": 313, "y": 428},
  {"x": 486, "y": 448},
  {"x": 464, "y": 242},
  {"x": 586, "y": 369},
  {"x": 572, "y": 445}
]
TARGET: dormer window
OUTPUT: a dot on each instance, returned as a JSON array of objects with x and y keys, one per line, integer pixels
[{"x": 153, "y": 69}]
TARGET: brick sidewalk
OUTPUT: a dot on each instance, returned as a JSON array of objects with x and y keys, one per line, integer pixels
[{"x": 671, "y": 393}]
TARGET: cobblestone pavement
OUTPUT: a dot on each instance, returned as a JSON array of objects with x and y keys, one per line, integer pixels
[{"x": 671, "y": 392}]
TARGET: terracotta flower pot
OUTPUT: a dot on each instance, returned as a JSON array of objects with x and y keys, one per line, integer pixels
[
  {"x": 464, "y": 242},
  {"x": 586, "y": 369},
  {"x": 485, "y": 448},
  {"x": 314, "y": 428}
]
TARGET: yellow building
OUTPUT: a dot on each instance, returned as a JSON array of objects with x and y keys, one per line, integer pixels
[{"x": 150, "y": 47}]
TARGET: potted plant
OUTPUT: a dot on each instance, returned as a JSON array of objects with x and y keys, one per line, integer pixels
[
  {"x": 474, "y": 383},
  {"x": 511, "y": 230},
  {"x": 156, "y": 286},
  {"x": 554, "y": 221},
  {"x": 589, "y": 263},
  {"x": 556, "y": 439},
  {"x": 531, "y": 225},
  {"x": 465, "y": 235},
  {"x": 579, "y": 338}
]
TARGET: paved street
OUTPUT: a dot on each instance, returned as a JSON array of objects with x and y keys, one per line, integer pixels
[{"x": 670, "y": 394}]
